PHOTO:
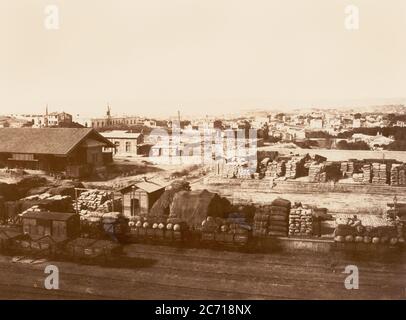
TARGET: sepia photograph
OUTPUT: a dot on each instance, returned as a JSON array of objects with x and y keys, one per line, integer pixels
[{"x": 221, "y": 151}]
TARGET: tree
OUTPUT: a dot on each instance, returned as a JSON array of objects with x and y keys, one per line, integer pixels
[
  {"x": 359, "y": 145},
  {"x": 218, "y": 124},
  {"x": 357, "y": 116}
]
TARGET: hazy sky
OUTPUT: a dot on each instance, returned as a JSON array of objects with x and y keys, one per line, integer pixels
[{"x": 153, "y": 57}]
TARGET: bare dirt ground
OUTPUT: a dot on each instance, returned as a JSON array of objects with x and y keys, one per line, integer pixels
[
  {"x": 353, "y": 203},
  {"x": 172, "y": 273}
]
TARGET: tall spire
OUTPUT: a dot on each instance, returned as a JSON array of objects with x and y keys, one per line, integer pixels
[{"x": 46, "y": 116}]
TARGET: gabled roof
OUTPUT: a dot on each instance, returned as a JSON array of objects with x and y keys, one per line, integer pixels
[
  {"x": 57, "y": 141},
  {"x": 57, "y": 216},
  {"x": 147, "y": 186}
]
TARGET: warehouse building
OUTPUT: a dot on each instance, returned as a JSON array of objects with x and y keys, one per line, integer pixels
[{"x": 75, "y": 152}]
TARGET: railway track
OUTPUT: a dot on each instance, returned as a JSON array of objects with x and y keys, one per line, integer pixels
[{"x": 205, "y": 274}]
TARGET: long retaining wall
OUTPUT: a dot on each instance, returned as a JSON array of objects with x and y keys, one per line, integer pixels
[
  {"x": 293, "y": 186},
  {"x": 326, "y": 246},
  {"x": 338, "y": 198}
]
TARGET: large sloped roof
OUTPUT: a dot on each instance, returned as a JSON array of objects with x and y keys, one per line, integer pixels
[
  {"x": 57, "y": 216},
  {"x": 58, "y": 141}
]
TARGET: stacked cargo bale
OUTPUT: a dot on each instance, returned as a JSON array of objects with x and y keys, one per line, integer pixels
[
  {"x": 367, "y": 173},
  {"x": 279, "y": 218},
  {"x": 272, "y": 220},
  {"x": 110, "y": 205},
  {"x": 243, "y": 172},
  {"x": 91, "y": 200},
  {"x": 295, "y": 167},
  {"x": 323, "y": 172},
  {"x": 263, "y": 167},
  {"x": 347, "y": 168},
  {"x": 397, "y": 175},
  {"x": 300, "y": 221},
  {"x": 272, "y": 170},
  {"x": 157, "y": 228},
  {"x": 358, "y": 177},
  {"x": 376, "y": 231},
  {"x": 234, "y": 230},
  {"x": 402, "y": 176},
  {"x": 317, "y": 172},
  {"x": 379, "y": 173},
  {"x": 276, "y": 169},
  {"x": 236, "y": 170},
  {"x": 261, "y": 219},
  {"x": 47, "y": 202},
  {"x": 291, "y": 169}
]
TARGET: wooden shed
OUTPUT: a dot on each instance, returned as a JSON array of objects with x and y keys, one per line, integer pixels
[
  {"x": 139, "y": 198},
  {"x": 59, "y": 225}
]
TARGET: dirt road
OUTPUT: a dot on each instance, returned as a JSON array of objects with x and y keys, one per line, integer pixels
[{"x": 157, "y": 272}]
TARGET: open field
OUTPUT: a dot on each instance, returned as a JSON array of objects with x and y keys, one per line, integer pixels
[{"x": 172, "y": 273}]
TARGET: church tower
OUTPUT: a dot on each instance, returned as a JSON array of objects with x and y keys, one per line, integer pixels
[
  {"x": 46, "y": 116},
  {"x": 108, "y": 115}
]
